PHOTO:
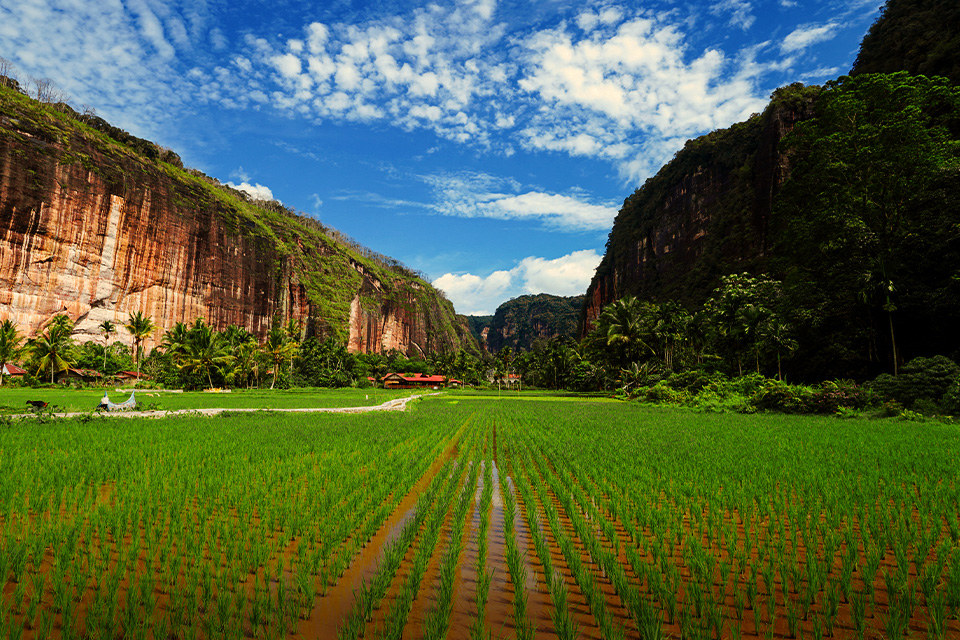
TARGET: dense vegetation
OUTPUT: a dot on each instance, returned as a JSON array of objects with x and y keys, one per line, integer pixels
[
  {"x": 919, "y": 36},
  {"x": 863, "y": 235},
  {"x": 269, "y": 525},
  {"x": 519, "y": 321},
  {"x": 198, "y": 356},
  {"x": 325, "y": 262},
  {"x": 867, "y": 229}
]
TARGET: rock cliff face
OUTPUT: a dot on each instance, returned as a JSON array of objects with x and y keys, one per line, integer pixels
[
  {"x": 705, "y": 214},
  {"x": 91, "y": 228},
  {"x": 517, "y": 323}
]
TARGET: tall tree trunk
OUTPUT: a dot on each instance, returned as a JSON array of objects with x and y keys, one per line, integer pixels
[{"x": 893, "y": 343}]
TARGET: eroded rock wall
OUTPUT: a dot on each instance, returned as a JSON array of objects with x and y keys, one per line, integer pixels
[
  {"x": 91, "y": 229},
  {"x": 705, "y": 214}
]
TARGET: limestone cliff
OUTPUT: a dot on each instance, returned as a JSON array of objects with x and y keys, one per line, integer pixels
[
  {"x": 705, "y": 214},
  {"x": 520, "y": 321},
  {"x": 98, "y": 229}
]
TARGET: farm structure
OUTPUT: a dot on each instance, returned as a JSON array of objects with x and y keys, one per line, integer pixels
[
  {"x": 521, "y": 518},
  {"x": 418, "y": 381}
]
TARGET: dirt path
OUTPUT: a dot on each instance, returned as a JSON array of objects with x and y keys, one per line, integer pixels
[{"x": 398, "y": 404}]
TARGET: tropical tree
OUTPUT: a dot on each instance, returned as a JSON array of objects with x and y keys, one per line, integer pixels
[
  {"x": 107, "y": 328},
  {"x": 670, "y": 324},
  {"x": 10, "y": 346},
  {"x": 278, "y": 348},
  {"x": 736, "y": 312},
  {"x": 140, "y": 327},
  {"x": 294, "y": 331},
  {"x": 622, "y": 332},
  {"x": 175, "y": 340},
  {"x": 863, "y": 208},
  {"x": 206, "y": 350},
  {"x": 54, "y": 348}
]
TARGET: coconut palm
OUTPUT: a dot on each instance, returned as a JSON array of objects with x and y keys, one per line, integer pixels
[
  {"x": 622, "y": 328},
  {"x": 107, "y": 328},
  {"x": 54, "y": 347},
  {"x": 10, "y": 340},
  {"x": 205, "y": 350},
  {"x": 175, "y": 341},
  {"x": 140, "y": 327},
  {"x": 278, "y": 347}
]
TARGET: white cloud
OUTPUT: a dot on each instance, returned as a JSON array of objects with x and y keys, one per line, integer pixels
[
  {"x": 123, "y": 58},
  {"x": 481, "y": 195},
  {"x": 255, "y": 191},
  {"x": 741, "y": 12},
  {"x": 807, "y": 35},
  {"x": 480, "y": 295},
  {"x": 630, "y": 91}
]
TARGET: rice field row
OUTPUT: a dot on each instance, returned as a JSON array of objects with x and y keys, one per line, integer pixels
[{"x": 477, "y": 519}]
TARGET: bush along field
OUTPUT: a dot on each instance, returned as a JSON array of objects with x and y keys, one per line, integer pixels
[
  {"x": 924, "y": 388},
  {"x": 480, "y": 517}
]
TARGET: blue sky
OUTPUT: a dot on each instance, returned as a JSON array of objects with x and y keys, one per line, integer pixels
[{"x": 488, "y": 144}]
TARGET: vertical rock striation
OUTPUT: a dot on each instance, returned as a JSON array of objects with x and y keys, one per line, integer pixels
[
  {"x": 705, "y": 214},
  {"x": 92, "y": 228}
]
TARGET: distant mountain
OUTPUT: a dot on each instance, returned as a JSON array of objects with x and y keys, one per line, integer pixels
[
  {"x": 848, "y": 193},
  {"x": 96, "y": 223},
  {"x": 520, "y": 321},
  {"x": 919, "y": 36}
]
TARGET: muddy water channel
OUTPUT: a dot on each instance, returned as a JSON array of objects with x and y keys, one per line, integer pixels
[{"x": 473, "y": 520}]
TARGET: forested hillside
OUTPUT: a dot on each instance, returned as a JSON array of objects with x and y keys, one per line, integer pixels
[
  {"x": 919, "y": 36},
  {"x": 520, "y": 321},
  {"x": 847, "y": 196}
]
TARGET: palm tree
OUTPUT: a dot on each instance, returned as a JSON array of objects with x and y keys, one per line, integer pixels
[
  {"x": 205, "y": 350},
  {"x": 10, "y": 340},
  {"x": 140, "y": 327},
  {"x": 294, "y": 330},
  {"x": 621, "y": 327},
  {"x": 278, "y": 347},
  {"x": 54, "y": 348},
  {"x": 175, "y": 341},
  {"x": 107, "y": 328}
]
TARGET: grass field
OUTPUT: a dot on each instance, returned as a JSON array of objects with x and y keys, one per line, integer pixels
[
  {"x": 13, "y": 401},
  {"x": 465, "y": 517}
]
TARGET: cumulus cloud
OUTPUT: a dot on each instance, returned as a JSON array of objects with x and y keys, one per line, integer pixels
[
  {"x": 807, "y": 35},
  {"x": 613, "y": 83},
  {"x": 481, "y": 195},
  {"x": 740, "y": 11},
  {"x": 123, "y": 58},
  {"x": 480, "y": 295},
  {"x": 631, "y": 89},
  {"x": 255, "y": 191}
]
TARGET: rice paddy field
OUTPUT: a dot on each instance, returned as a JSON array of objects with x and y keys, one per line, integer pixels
[
  {"x": 13, "y": 401},
  {"x": 477, "y": 517}
]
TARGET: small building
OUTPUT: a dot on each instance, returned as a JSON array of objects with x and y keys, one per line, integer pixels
[
  {"x": 416, "y": 381},
  {"x": 126, "y": 376},
  {"x": 78, "y": 375},
  {"x": 12, "y": 371}
]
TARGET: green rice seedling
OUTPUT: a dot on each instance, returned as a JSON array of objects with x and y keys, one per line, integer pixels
[
  {"x": 858, "y": 611},
  {"x": 738, "y": 605},
  {"x": 937, "y": 612},
  {"x": 817, "y": 627},
  {"x": 736, "y": 631},
  {"x": 793, "y": 618},
  {"x": 893, "y": 624}
]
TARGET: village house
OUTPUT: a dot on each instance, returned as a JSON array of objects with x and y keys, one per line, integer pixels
[
  {"x": 418, "y": 381},
  {"x": 12, "y": 371}
]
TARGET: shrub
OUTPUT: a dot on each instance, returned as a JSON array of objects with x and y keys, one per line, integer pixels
[
  {"x": 662, "y": 393},
  {"x": 831, "y": 395},
  {"x": 777, "y": 395},
  {"x": 921, "y": 378},
  {"x": 950, "y": 403},
  {"x": 695, "y": 380}
]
